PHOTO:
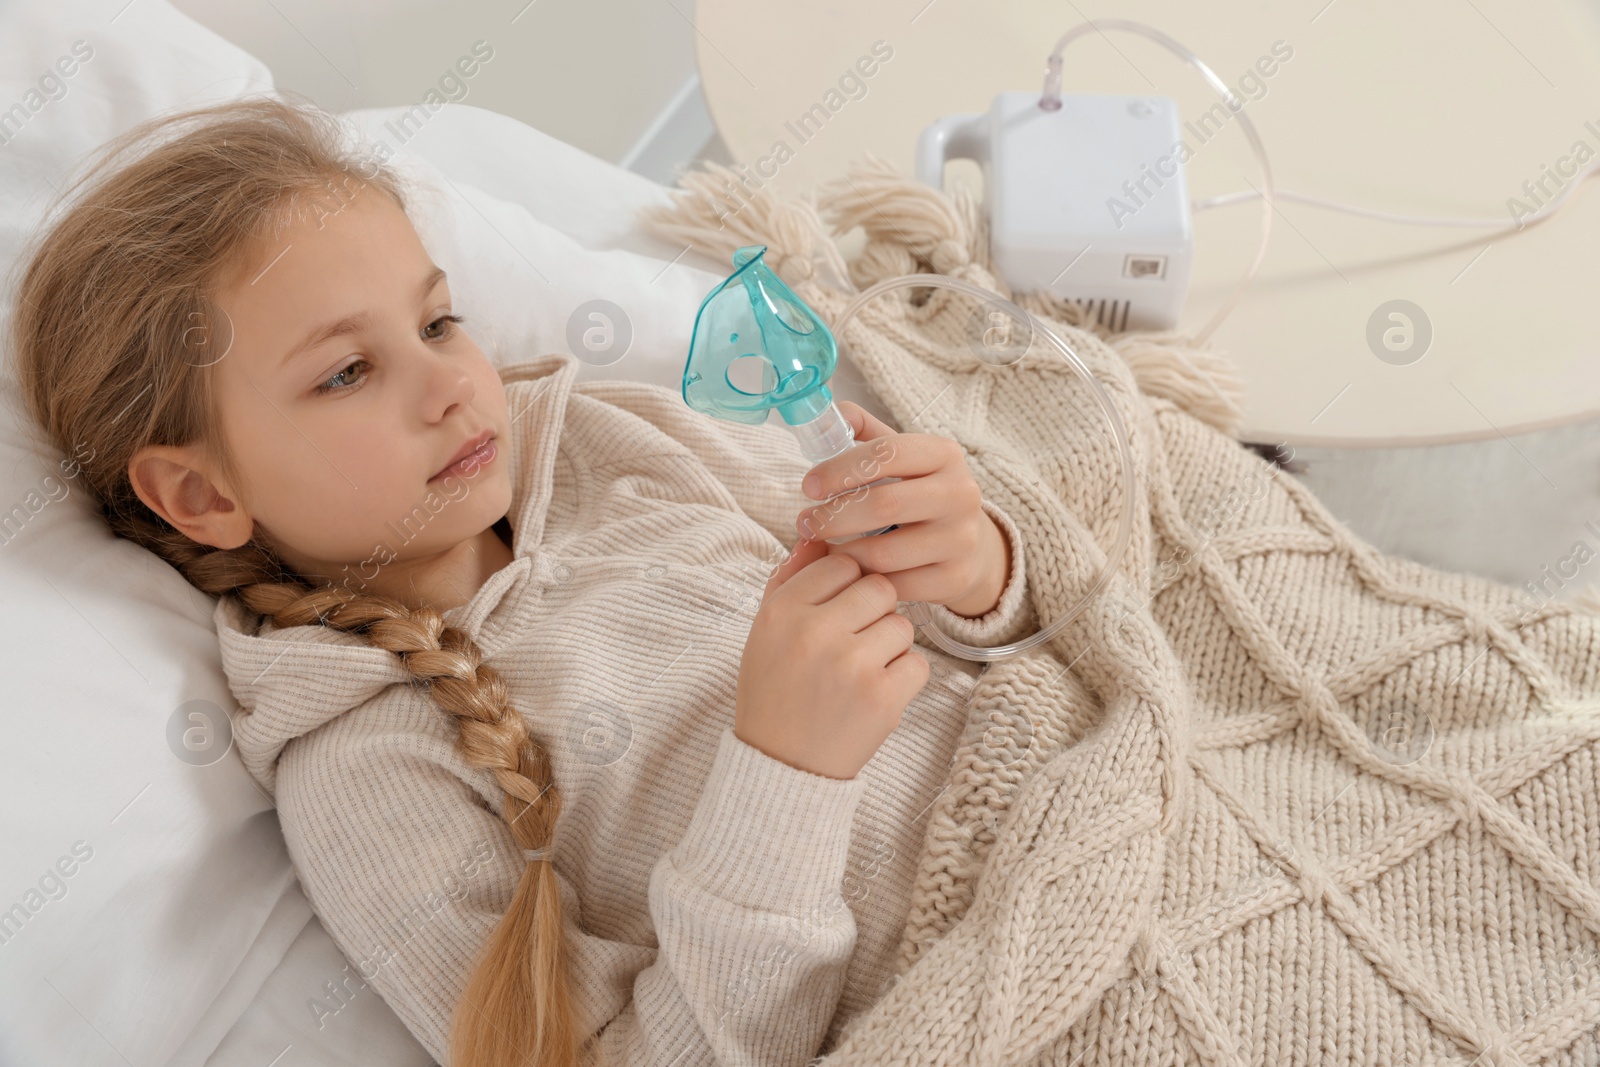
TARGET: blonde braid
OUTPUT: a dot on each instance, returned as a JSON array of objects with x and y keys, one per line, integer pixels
[{"x": 491, "y": 734}]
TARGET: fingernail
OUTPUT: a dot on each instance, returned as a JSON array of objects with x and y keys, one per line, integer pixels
[
  {"x": 813, "y": 485},
  {"x": 806, "y": 529}
]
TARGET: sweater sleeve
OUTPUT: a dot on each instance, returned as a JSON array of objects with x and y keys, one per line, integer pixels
[
  {"x": 754, "y": 933},
  {"x": 410, "y": 868}
]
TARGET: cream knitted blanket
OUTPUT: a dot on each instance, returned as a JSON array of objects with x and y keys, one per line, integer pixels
[{"x": 1274, "y": 797}]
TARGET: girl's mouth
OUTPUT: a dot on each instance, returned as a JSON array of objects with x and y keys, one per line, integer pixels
[{"x": 471, "y": 463}]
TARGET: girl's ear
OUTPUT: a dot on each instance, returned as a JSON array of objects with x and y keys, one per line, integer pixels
[{"x": 174, "y": 484}]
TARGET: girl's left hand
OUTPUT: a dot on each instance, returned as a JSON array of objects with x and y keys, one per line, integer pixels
[{"x": 947, "y": 550}]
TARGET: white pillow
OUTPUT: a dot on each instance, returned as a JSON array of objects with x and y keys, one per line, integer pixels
[
  {"x": 132, "y": 884},
  {"x": 533, "y": 232}
]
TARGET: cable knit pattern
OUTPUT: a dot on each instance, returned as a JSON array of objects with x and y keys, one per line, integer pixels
[{"x": 1274, "y": 797}]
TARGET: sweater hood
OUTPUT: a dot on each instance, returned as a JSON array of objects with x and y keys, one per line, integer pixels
[{"x": 290, "y": 680}]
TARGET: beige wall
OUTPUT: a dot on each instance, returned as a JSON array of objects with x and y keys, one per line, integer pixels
[{"x": 594, "y": 73}]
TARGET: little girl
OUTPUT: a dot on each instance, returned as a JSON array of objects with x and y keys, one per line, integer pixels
[{"x": 561, "y": 778}]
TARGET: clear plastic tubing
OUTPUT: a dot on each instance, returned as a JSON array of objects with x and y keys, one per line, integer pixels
[{"x": 919, "y": 612}]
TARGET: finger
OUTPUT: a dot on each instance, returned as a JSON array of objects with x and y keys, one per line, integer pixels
[
  {"x": 907, "y": 548},
  {"x": 823, "y": 580},
  {"x": 903, "y": 455},
  {"x": 887, "y": 638},
  {"x": 920, "y": 499},
  {"x": 933, "y": 583},
  {"x": 805, "y": 553},
  {"x": 911, "y": 668},
  {"x": 863, "y": 602}
]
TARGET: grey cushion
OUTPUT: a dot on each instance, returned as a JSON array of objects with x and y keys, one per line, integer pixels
[{"x": 1513, "y": 508}]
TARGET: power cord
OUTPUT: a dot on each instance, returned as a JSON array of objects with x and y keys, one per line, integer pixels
[{"x": 1414, "y": 220}]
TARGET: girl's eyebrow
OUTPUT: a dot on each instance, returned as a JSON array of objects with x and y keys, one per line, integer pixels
[{"x": 353, "y": 323}]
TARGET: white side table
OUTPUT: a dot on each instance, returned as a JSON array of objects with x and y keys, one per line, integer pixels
[{"x": 1429, "y": 108}]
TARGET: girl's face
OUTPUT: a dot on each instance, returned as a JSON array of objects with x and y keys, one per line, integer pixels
[{"x": 346, "y": 390}]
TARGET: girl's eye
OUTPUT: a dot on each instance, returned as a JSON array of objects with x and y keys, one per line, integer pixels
[
  {"x": 443, "y": 318},
  {"x": 325, "y": 388}
]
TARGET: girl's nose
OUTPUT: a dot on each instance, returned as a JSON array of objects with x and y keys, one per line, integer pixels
[{"x": 448, "y": 383}]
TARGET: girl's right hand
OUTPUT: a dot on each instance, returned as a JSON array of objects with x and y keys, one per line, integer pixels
[{"x": 828, "y": 667}]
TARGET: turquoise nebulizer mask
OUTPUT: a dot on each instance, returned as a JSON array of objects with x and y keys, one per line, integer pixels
[{"x": 757, "y": 347}]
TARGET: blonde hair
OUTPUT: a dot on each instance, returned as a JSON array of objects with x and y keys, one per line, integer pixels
[{"x": 112, "y": 354}]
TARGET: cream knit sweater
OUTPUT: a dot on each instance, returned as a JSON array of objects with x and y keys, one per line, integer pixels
[
  {"x": 722, "y": 907},
  {"x": 1275, "y": 797}
]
